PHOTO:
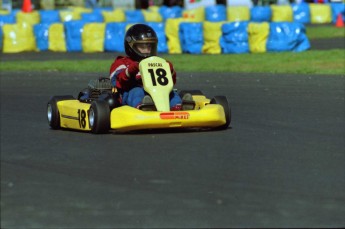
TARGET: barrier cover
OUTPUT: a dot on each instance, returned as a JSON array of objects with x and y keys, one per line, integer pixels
[
  {"x": 282, "y": 13},
  {"x": 114, "y": 36},
  {"x": 73, "y": 33},
  {"x": 215, "y": 13},
  {"x": 56, "y": 36},
  {"x": 49, "y": 16},
  {"x": 191, "y": 37},
  {"x": 18, "y": 38},
  {"x": 7, "y": 19},
  {"x": 287, "y": 37},
  {"x": 301, "y": 12},
  {"x": 68, "y": 15},
  {"x": 92, "y": 17},
  {"x": 29, "y": 18},
  {"x": 117, "y": 15},
  {"x": 238, "y": 13},
  {"x": 320, "y": 13},
  {"x": 337, "y": 8},
  {"x": 257, "y": 36},
  {"x": 212, "y": 35},
  {"x": 152, "y": 15},
  {"x": 234, "y": 37},
  {"x": 93, "y": 37},
  {"x": 172, "y": 32},
  {"x": 134, "y": 16},
  {"x": 170, "y": 12},
  {"x": 159, "y": 28},
  {"x": 260, "y": 13},
  {"x": 41, "y": 36}
]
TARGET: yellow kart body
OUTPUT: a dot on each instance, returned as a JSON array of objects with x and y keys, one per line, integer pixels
[
  {"x": 97, "y": 117},
  {"x": 75, "y": 115}
]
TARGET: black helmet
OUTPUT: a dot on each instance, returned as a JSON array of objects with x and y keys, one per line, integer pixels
[{"x": 140, "y": 34}]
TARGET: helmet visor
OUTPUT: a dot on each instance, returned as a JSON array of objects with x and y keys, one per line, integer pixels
[{"x": 145, "y": 48}]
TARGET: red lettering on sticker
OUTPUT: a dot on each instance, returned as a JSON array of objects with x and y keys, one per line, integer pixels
[{"x": 174, "y": 115}]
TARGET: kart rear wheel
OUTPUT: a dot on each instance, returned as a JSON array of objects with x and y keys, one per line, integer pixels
[
  {"x": 99, "y": 117},
  {"x": 222, "y": 100},
  {"x": 53, "y": 114}
]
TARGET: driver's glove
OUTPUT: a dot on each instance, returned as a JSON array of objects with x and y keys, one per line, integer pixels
[{"x": 132, "y": 69}]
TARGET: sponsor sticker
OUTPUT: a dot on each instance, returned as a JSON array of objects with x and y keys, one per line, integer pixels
[{"x": 174, "y": 115}]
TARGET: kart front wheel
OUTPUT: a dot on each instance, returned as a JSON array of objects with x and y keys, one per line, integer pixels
[
  {"x": 222, "y": 100},
  {"x": 99, "y": 117},
  {"x": 53, "y": 114}
]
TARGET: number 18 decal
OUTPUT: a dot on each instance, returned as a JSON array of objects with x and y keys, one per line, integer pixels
[
  {"x": 161, "y": 76},
  {"x": 81, "y": 118}
]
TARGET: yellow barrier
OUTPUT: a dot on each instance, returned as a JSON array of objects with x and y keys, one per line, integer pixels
[
  {"x": 29, "y": 18},
  {"x": 152, "y": 16},
  {"x": 282, "y": 13},
  {"x": 320, "y": 13},
  {"x": 117, "y": 15},
  {"x": 212, "y": 34},
  {"x": 56, "y": 38},
  {"x": 238, "y": 13},
  {"x": 93, "y": 37},
  {"x": 18, "y": 38},
  {"x": 172, "y": 33},
  {"x": 257, "y": 36},
  {"x": 69, "y": 15}
]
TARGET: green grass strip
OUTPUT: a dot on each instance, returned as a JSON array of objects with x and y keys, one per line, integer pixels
[{"x": 308, "y": 62}]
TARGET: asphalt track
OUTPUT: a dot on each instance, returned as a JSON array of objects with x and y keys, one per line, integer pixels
[{"x": 281, "y": 164}]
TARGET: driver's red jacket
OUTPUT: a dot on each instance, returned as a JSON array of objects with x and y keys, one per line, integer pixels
[{"x": 121, "y": 81}]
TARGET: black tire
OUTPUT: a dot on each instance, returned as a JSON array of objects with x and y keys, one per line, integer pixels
[
  {"x": 53, "y": 114},
  {"x": 99, "y": 117},
  {"x": 192, "y": 92},
  {"x": 222, "y": 100}
]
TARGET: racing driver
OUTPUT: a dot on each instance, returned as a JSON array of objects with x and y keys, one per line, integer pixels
[{"x": 140, "y": 42}]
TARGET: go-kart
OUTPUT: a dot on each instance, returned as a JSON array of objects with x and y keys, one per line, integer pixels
[{"x": 98, "y": 108}]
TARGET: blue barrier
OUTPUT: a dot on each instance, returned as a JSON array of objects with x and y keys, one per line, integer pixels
[
  {"x": 73, "y": 30},
  {"x": 42, "y": 36},
  {"x": 49, "y": 16},
  {"x": 170, "y": 12},
  {"x": 260, "y": 13},
  {"x": 215, "y": 13},
  {"x": 134, "y": 16},
  {"x": 7, "y": 19},
  {"x": 234, "y": 38},
  {"x": 114, "y": 36},
  {"x": 301, "y": 12},
  {"x": 337, "y": 8},
  {"x": 92, "y": 17},
  {"x": 191, "y": 37},
  {"x": 286, "y": 36},
  {"x": 100, "y": 9}
]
